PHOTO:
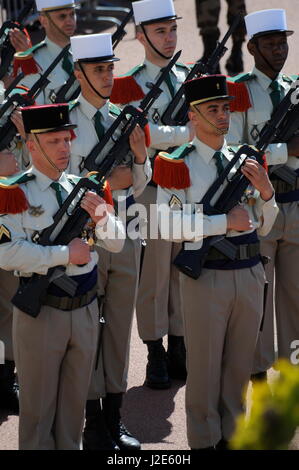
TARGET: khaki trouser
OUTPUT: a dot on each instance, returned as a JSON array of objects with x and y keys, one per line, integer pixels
[
  {"x": 158, "y": 306},
  {"x": 222, "y": 313},
  {"x": 54, "y": 355},
  {"x": 8, "y": 287},
  {"x": 282, "y": 245},
  {"x": 118, "y": 281}
]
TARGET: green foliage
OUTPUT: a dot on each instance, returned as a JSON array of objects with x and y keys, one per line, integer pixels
[{"x": 274, "y": 416}]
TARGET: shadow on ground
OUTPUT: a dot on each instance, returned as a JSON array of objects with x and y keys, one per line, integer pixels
[{"x": 146, "y": 412}]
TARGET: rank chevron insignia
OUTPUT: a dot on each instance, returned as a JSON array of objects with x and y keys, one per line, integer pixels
[{"x": 5, "y": 235}]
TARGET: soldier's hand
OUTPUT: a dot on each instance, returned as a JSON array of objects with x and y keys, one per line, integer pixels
[
  {"x": 19, "y": 40},
  {"x": 8, "y": 163},
  {"x": 17, "y": 119},
  {"x": 137, "y": 144},
  {"x": 96, "y": 207},
  {"x": 121, "y": 178},
  {"x": 79, "y": 252},
  {"x": 238, "y": 219},
  {"x": 258, "y": 177}
]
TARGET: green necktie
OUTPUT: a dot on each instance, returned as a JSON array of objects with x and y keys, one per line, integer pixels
[
  {"x": 169, "y": 84},
  {"x": 67, "y": 64},
  {"x": 219, "y": 161},
  {"x": 275, "y": 94},
  {"x": 100, "y": 130},
  {"x": 57, "y": 188}
]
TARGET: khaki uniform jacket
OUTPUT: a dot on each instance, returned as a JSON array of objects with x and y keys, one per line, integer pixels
[
  {"x": 17, "y": 251},
  {"x": 203, "y": 173}
]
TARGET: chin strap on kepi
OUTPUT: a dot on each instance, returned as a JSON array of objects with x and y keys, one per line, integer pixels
[
  {"x": 91, "y": 85},
  {"x": 219, "y": 131},
  {"x": 45, "y": 155},
  {"x": 47, "y": 15},
  {"x": 152, "y": 46}
]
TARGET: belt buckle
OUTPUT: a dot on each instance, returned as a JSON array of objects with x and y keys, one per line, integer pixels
[
  {"x": 243, "y": 252},
  {"x": 65, "y": 303}
]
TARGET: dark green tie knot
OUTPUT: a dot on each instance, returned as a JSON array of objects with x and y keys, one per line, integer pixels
[
  {"x": 275, "y": 94},
  {"x": 58, "y": 191},
  {"x": 67, "y": 64},
  {"x": 219, "y": 161},
  {"x": 169, "y": 83},
  {"x": 100, "y": 130}
]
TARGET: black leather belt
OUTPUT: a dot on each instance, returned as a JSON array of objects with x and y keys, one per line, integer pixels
[
  {"x": 70, "y": 303},
  {"x": 244, "y": 252},
  {"x": 284, "y": 187}
]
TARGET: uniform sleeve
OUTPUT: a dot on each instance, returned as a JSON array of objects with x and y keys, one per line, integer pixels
[
  {"x": 22, "y": 255},
  {"x": 111, "y": 235},
  {"x": 163, "y": 137},
  {"x": 179, "y": 225},
  {"x": 142, "y": 174},
  {"x": 268, "y": 211}
]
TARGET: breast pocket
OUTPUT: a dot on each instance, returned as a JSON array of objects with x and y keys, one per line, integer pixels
[
  {"x": 256, "y": 121},
  {"x": 34, "y": 222}
]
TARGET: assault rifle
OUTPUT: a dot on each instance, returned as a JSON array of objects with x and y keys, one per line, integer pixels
[
  {"x": 7, "y": 49},
  {"x": 137, "y": 116},
  {"x": 31, "y": 294},
  {"x": 120, "y": 32},
  {"x": 60, "y": 96},
  {"x": 200, "y": 68},
  {"x": 190, "y": 262},
  {"x": 9, "y": 130}
]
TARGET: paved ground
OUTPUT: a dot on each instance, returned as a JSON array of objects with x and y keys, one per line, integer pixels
[{"x": 157, "y": 418}]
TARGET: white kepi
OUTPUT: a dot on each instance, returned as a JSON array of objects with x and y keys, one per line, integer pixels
[
  {"x": 149, "y": 11},
  {"x": 52, "y": 5},
  {"x": 92, "y": 48},
  {"x": 260, "y": 23}
]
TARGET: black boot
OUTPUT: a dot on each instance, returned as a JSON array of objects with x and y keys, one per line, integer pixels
[
  {"x": 156, "y": 370},
  {"x": 95, "y": 434},
  {"x": 234, "y": 64},
  {"x": 9, "y": 389},
  {"x": 123, "y": 438},
  {"x": 210, "y": 43},
  {"x": 176, "y": 358}
]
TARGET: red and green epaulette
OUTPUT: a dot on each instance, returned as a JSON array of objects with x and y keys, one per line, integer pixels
[
  {"x": 25, "y": 60},
  {"x": 170, "y": 169},
  {"x": 126, "y": 89},
  {"x": 237, "y": 88},
  {"x": 12, "y": 198}
]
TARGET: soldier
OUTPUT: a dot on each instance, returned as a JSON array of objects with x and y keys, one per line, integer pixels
[
  {"x": 221, "y": 314},
  {"x": 158, "y": 306},
  {"x": 207, "y": 14},
  {"x": 262, "y": 89},
  {"x": 58, "y": 18},
  {"x": 54, "y": 352},
  {"x": 93, "y": 114},
  {"x": 12, "y": 160}
]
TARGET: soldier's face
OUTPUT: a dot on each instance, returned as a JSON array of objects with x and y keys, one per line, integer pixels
[
  {"x": 274, "y": 48},
  {"x": 162, "y": 35},
  {"x": 65, "y": 20},
  {"x": 57, "y": 147},
  {"x": 100, "y": 76},
  {"x": 211, "y": 116}
]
